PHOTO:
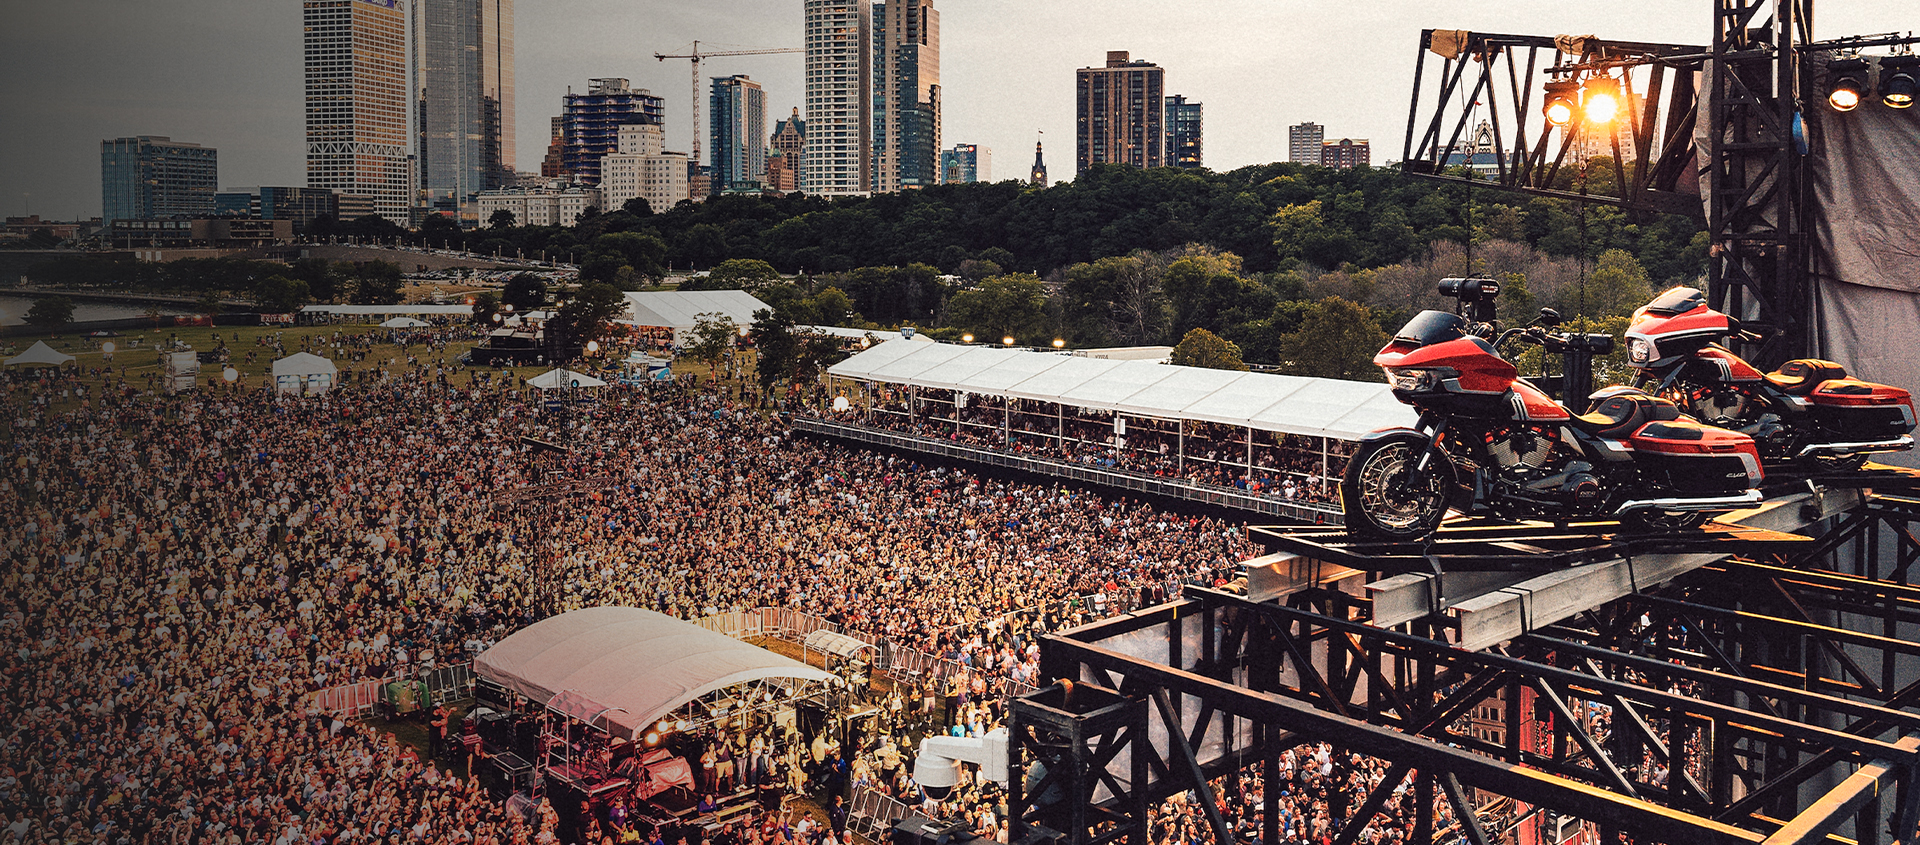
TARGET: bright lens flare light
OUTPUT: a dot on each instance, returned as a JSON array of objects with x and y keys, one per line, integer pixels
[
  {"x": 1844, "y": 99},
  {"x": 1560, "y": 105},
  {"x": 1559, "y": 113},
  {"x": 1602, "y": 101}
]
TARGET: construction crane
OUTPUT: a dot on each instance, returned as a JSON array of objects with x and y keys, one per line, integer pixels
[{"x": 696, "y": 56}]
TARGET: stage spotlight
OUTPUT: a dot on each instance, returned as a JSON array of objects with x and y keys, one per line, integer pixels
[
  {"x": 652, "y": 738},
  {"x": 1560, "y": 106},
  {"x": 1600, "y": 100},
  {"x": 1848, "y": 80},
  {"x": 1897, "y": 80}
]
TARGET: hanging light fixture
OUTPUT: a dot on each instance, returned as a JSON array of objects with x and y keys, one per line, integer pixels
[
  {"x": 1847, "y": 83},
  {"x": 1561, "y": 103},
  {"x": 1600, "y": 100},
  {"x": 1897, "y": 80}
]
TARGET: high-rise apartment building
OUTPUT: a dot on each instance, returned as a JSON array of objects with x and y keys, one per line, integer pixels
[
  {"x": 738, "y": 122},
  {"x": 151, "y": 177},
  {"x": 838, "y": 159},
  {"x": 1184, "y": 125},
  {"x": 1303, "y": 142},
  {"x": 1121, "y": 113},
  {"x": 643, "y": 168},
  {"x": 966, "y": 163},
  {"x": 593, "y": 121},
  {"x": 357, "y": 97},
  {"x": 1346, "y": 153},
  {"x": 463, "y": 60},
  {"x": 906, "y": 95}
]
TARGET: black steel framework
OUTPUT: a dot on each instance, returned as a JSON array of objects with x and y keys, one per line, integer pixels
[{"x": 1754, "y": 699}]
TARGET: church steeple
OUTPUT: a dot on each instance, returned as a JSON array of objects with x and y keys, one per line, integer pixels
[{"x": 1039, "y": 175}]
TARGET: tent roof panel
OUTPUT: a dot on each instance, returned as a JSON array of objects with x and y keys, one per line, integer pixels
[
  {"x": 1119, "y": 384},
  {"x": 681, "y": 309},
  {"x": 1318, "y": 402},
  {"x": 1240, "y": 401},
  {"x": 1052, "y": 383}
]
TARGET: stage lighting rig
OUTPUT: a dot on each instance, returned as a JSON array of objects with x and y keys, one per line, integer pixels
[
  {"x": 1897, "y": 80},
  {"x": 1600, "y": 100},
  {"x": 1848, "y": 83},
  {"x": 1562, "y": 101}
]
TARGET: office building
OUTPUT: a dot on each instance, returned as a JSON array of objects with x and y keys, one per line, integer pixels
[
  {"x": 1038, "y": 176},
  {"x": 738, "y": 121},
  {"x": 204, "y": 232},
  {"x": 555, "y": 162},
  {"x": 838, "y": 158},
  {"x": 966, "y": 163},
  {"x": 906, "y": 95},
  {"x": 149, "y": 177},
  {"x": 555, "y": 204},
  {"x": 789, "y": 143},
  {"x": 642, "y": 168},
  {"x": 463, "y": 58},
  {"x": 270, "y": 202},
  {"x": 1184, "y": 134},
  {"x": 1345, "y": 154},
  {"x": 593, "y": 120},
  {"x": 1121, "y": 113},
  {"x": 1303, "y": 142},
  {"x": 357, "y": 99}
]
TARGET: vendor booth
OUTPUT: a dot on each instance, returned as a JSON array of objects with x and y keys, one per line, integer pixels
[{"x": 304, "y": 374}]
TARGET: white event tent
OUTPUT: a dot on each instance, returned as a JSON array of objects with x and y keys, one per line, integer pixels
[
  {"x": 304, "y": 373},
  {"x": 623, "y": 668},
  {"x": 562, "y": 379},
  {"x": 1231, "y": 424},
  {"x": 40, "y": 355},
  {"x": 679, "y": 311}
]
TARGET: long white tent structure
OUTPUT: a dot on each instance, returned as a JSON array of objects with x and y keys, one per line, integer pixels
[{"x": 1314, "y": 407}]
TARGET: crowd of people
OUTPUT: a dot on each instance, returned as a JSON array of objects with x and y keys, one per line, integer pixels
[{"x": 189, "y": 569}]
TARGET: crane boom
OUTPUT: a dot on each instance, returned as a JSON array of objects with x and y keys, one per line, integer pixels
[{"x": 696, "y": 56}]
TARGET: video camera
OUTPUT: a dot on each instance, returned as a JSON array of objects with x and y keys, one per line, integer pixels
[{"x": 1475, "y": 296}]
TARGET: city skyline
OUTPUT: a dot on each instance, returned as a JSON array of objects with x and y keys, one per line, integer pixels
[{"x": 229, "y": 76}]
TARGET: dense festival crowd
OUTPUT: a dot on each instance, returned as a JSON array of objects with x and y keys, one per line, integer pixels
[{"x": 186, "y": 570}]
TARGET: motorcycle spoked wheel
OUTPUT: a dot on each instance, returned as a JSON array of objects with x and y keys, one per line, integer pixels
[{"x": 1377, "y": 499}]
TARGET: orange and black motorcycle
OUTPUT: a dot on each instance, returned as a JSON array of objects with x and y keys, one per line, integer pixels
[{"x": 1808, "y": 413}]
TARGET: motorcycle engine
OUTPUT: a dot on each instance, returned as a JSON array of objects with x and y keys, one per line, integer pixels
[
  {"x": 1717, "y": 407},
  {"x": 1520, "y": 451},
  {"x": 1537, "y": 470}
]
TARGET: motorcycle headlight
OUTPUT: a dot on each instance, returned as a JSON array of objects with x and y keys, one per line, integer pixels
[
  {"x": 1418, "y": 379},
  {"x": 1639, "y": 350}
]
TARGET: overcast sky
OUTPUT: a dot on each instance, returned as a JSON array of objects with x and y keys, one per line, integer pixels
[{"x": 227, "y": 73}]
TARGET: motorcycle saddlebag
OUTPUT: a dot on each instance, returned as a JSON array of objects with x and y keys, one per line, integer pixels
[
  {"x": 1689, "y": 458},
  {"x": 1862, "y": 410}
]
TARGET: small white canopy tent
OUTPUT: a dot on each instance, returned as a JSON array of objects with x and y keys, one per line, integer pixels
[
  {"x": 562, "y": 379},
  {"x": 304, "y": 374},
  {"x": 40, "y": 355},
  {"x": 635, "y": 665},
  {"x": 404, "y": 323}
]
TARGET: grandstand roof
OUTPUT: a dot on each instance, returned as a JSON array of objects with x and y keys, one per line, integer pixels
[{"x": 1336, "y": 408}]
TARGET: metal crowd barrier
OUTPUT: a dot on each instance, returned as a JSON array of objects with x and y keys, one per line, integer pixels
[
  {"x": 872, "y": 813},
  {"x": 357, "y": 700}
]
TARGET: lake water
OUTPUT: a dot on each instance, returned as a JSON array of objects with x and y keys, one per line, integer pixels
[{"x": 13, "y": 310}]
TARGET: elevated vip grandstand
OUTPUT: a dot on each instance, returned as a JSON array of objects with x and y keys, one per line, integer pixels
[{"x": 1258, "y": 441}]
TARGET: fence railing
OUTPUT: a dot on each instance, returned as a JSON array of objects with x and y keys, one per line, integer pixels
[
  {"x": 872, "y": 813},
  {"x": 1118, "y": 479},
  {"x": 359, "y": 699}
]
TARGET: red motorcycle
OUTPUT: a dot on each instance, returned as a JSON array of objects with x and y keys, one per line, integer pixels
[
  {"x": 1489, "y": 442},
  {"x": 1808, "y": 411}
]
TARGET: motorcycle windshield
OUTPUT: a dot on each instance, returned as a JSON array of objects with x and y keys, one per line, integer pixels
[
  {"x": 1431, "y": 327},
  {"x": 1676, "y": 301}
]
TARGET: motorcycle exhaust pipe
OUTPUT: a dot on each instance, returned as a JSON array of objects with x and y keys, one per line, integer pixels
[
  {"x": 1897, "y": 444},
  {"x": 1695, "y": 503}
]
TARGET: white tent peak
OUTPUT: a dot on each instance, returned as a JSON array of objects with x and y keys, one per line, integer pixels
[
  {"x": 552, "y": 379},
  {"x": 42, "y": 354},
  {"x": 404, "y": 323},
  {"x": 303, "y": 363}
]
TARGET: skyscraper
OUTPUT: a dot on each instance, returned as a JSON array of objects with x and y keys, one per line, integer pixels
[
  {"x": 593, "y": 122},
  {"x": 906, "y": 95},
  {"x": 1121, "y": 113},
  {"x": 356, "y": 78},
  {"x": 152, "y": 176},
  {"x": 738, "y": 120},
  {"x": 463, "y": 55},
  {"x": 1303, "y": 142},
  {"x": 966, "y": 163},
  {"x": 1184, "y": 126},
  {"x": 838, "y": 159}
]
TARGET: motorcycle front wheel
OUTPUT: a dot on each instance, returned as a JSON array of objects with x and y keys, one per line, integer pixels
[{"x": 1380, "y": 498}]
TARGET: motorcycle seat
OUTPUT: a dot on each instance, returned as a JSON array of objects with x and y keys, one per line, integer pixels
[
  {"x": 1617, "y": 417},
  {"x": 1800, "y": 377}
]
